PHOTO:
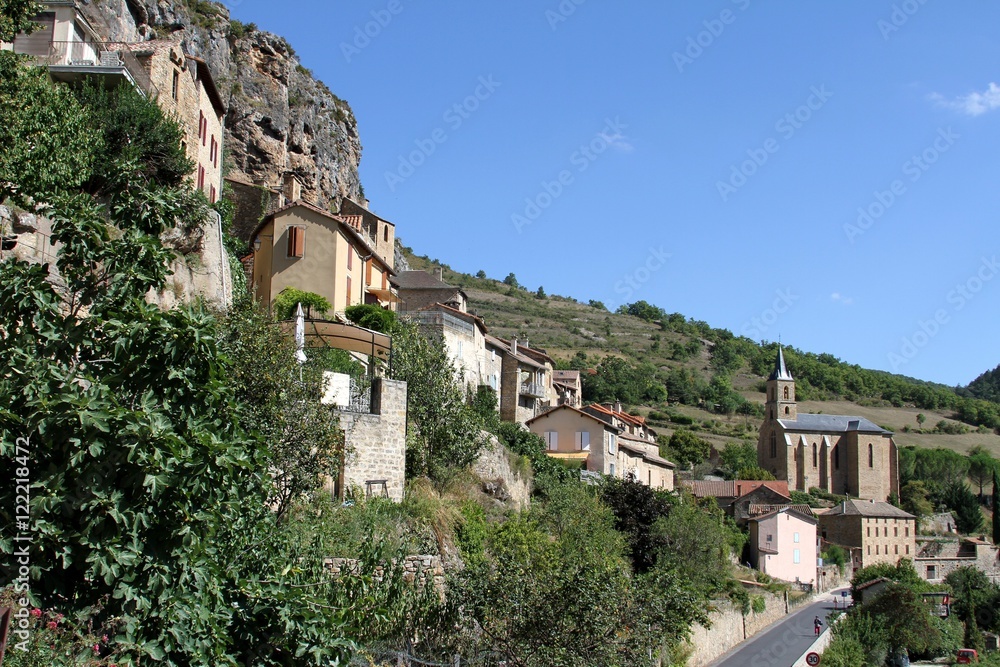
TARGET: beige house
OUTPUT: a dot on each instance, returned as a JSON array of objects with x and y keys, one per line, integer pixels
[
  {"x": 573, "y": 435},
  {"x": 613, "y": 414},
  {"x": 840, "y": 454},
  {"x": 783, "y": 545},
  {"x": 874, "y": 531},
  {"x": 188, "y": 93},
  {"x": 464, "y": 337},
  {"x": 304, "y": 247}
]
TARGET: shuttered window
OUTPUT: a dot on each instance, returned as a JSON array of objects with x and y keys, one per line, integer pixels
[
  {"x": 39, "y": 42},
  {"x": 368, "y": 272},
  {"x": 583, "y": 440},
  {"x": 296, "y": 242},
  {"x": 348, "y": 292},
  {"x": 552, "y": 439}
]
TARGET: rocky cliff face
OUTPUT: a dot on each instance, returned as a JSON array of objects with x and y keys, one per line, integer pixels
[{"x": 280, "y": 121}]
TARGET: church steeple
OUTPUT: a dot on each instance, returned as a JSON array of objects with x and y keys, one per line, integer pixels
[{"x": 781, "y": 391}]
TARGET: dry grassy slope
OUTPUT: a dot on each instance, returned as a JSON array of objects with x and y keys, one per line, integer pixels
[{"x": 563, "y": 327}]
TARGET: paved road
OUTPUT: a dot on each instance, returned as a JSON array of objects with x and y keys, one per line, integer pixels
[{"x": 784, "y": 642}]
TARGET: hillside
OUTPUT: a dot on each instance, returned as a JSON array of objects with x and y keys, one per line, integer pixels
[{"x": 566, "y": 328}]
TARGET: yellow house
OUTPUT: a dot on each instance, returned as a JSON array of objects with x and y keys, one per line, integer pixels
[{"x": 305, "y": 247}]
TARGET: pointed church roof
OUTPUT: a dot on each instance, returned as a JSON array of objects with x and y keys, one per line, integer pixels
[{"x": 780, "y": 372}]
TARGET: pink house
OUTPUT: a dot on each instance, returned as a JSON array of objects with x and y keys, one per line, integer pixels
[{"x": 783, "y": 545}]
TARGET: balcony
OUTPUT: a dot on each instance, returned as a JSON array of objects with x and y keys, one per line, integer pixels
[
  {"x": 533, "y": 389},
  {"x": 71, "y": 62}
]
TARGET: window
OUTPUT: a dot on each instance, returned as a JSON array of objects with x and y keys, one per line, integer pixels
[
  {"x": 896, "y": 549},
  {"x": 385, "y": 234},
  {"x": 770, "y": 537},
  {"x": 368, "y": 271},
  {"x": 932, "y": 571},
  {"x": 869, "y": 550},
  {"x": 836, "y": 458},
  {"x": 201, "y": 177},
  {"x": 211, "y": 196},
  {"x": 876, "y": 550},
  {"x": 213, "y": 152},
  {"x": 348, "y": 292},
  {"x": 611, "y": 469},
  {"x": 795, "y": 537},
  {"x": 461, "y": 348},
  {"x": 385, "y": 279},
  {"x": 907, "y": 533},
  {"x": 612, "y": 443},
  {"x": 552, "y": 439},
  {"x": 871, "y": 456},
  {"x": 583, "y": 440},
  {"x": 815, "y": 456},
  {"x": 786, "y": 393},
  {"x": 774, "y": 445},
  {"x": 296, "y": 242},
  {"x": 895, "y": 531},
  {"x": 786, "y": 410},
  {"x": 876, "y": 531},
  {"x": 175, "y": 85},
  {"x": 350, "y": 258},
  {"x": 907, "y": 549},
  {"x": 201, "y": 125},
  {"x": 796, "y": 556},
  {"x": 869, "y": 531}
]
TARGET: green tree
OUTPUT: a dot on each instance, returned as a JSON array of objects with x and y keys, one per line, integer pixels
[
  {"x": 540, "y": 294},
  {"x": 996, "y": 507},
  {"x": 481, "y": 274},
  {"x": 444, "y": 433},
  {"x": 16, "y": 16},
  {"x": 972, "y": 591},
  {"x": 982, "y": 465},
  {"x": 965, "y": 505},
  {"x": 737, "y": 456},
  {"x": 288, "y": 299},
  {"x": 599, "y": 305},
  {"x": 921, "y": 418},
  {"x": 904, "y": 617},
  {"x": 372, "y": 317},
  {"x": 687, "y": 448},
  {"x": 914, "y": 498},
  {"x": 754, "y": 472},
  {"x": 511, "y": 280}
]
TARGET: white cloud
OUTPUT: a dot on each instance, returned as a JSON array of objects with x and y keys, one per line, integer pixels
[
  {"x": 975, "y": 103},
  {"x": 618, "y": 141},
  {"x": 840, "y": 298}
]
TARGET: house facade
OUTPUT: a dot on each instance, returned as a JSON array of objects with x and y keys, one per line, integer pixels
[
  {"x": 464, "y": 338},
  {"x": 874, "y": 531},
  {"x": 937, "y": 558},
  {"x": 304, "y": 247},
  {"x": 420, "y": 289},
  {"x": 573, "y": 435},
  {"x": 613, "y": 414},
  {"x": 783, "y": 545},
  {"x": 188, "y": 94},
  {"x": 568, "y": 388},
  {"x": 840, "y": 454},
  {"x": 525, "y": 380}
]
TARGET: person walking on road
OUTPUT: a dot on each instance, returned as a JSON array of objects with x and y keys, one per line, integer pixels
[{"x": 817, "y": 624}]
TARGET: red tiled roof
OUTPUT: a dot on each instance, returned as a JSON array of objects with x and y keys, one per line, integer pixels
[
  {"x": 744, "y": 486},
  {"x": 702, "y": 488}
]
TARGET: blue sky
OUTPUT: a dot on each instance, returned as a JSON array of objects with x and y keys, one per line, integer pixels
[{"x": 826, "y": 172}]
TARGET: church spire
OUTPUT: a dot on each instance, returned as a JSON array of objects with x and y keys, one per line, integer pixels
[{"x": 780, "y": 372}]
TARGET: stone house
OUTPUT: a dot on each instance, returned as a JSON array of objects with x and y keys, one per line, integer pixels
[
  {"x": 939, "y": 557},
  {"x": 783, "y": 545},
  {"x": 840, "y": 454},
  {"x": 573, "y": 435},
  {"x": 420, "y": 289},
  {"x": 613, "y": 414},
  {"x": 568, "y": 387},
  {"x": 304, "y": 247},
  {"x": 188, "y": 93},
  {"x": 525, "y": 380},
  {"x": 745, "y": 499},
  {"x": 874, "y": 531}
]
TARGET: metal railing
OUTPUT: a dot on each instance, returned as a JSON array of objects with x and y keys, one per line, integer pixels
[
  {"x": 84, "y": 55},
  {"x": 533, "y": 389},
  {"x": 361, "y": 397}
]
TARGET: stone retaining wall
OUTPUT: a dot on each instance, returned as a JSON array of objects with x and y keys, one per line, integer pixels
[
  {"x": 729, "y": 628},
  {"x": 417, "y": 569}
]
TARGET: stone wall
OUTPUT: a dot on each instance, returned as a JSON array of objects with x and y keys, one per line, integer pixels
[
  {"x": 376, "y": 441},
  {"x": 945, "y": 556},
  {"x": 832, "y": 577},
  {"x": 417, "y": 570},
  {"x": 729, "y": 628},
  {"x": 501, "y": 475}
]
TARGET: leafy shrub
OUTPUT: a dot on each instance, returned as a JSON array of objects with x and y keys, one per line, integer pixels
[{"x": 286, "y": 303}]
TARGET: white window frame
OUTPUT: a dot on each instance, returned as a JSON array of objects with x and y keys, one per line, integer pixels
[
  {"x": 795, "y": 538},
  {"x": 552, "y": 440},
  {"x": 611, "y": 469},
  {"x": 796, "y": 556},
  {"x": 583, "y": 441},
  {"x": 612, "y": 443}
]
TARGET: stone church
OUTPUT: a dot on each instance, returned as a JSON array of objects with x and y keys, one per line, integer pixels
[{"x": 840, "y": 454}]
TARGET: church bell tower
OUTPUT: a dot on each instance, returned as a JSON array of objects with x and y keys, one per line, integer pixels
[{"x": 781, "y": 392}]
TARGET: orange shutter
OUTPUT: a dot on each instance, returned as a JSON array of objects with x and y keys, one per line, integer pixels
[
  {"x": 385, "y": 278},
  {"x": 348, "y": 291},
  {"x": 368, "y": 272},
  {"x": 296, "y": 241}
]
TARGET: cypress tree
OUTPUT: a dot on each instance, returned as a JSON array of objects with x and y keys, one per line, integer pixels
[{"x": 996, "y": 506}]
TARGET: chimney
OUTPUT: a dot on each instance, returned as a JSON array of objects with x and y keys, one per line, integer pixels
[
  {"x": 843, "y": 507},
  {"x": 439, "y": 273},
  {"x": 292, "y": 188},
  {"x": 618, "y": 406},
  {"x": 513, "y": 346}
]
